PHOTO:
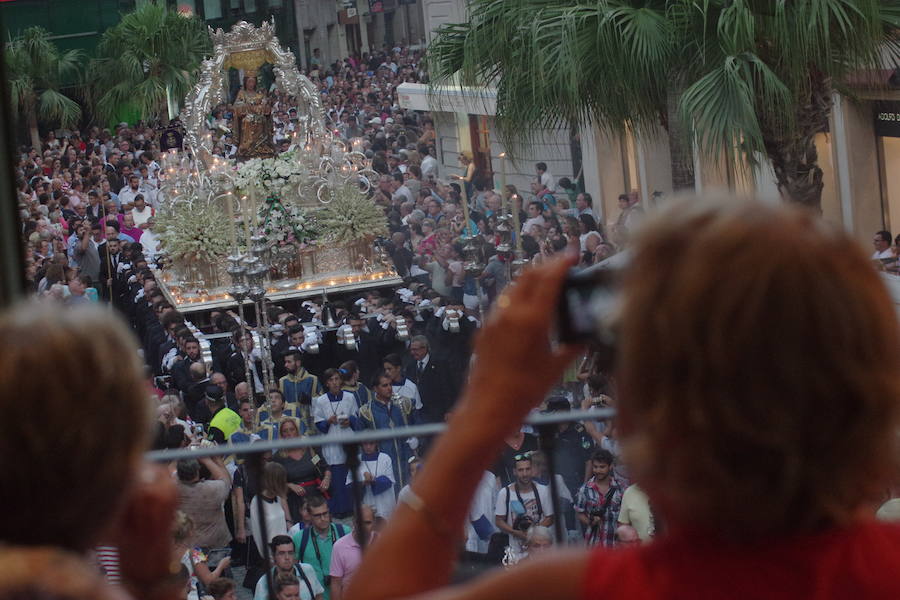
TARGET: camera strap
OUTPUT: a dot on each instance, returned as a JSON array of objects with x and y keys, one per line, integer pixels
[
  {"x": 303, "y": 576},
  {"x": 537, "y": 498},
  {"x": 313, "y": 536}
]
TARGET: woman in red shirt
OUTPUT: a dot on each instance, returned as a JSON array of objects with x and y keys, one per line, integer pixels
[{"x": 758, "y": 408}]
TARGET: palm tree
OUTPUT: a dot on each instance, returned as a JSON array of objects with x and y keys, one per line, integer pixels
[
  {"x": 147, "y": 60},
  {"x": 754, "y": 76},
  {"x": 37, "y": 70}
]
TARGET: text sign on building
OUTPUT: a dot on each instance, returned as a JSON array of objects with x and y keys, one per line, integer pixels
[{"x": 887, "y": 119}]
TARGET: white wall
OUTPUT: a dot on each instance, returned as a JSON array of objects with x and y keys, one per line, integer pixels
[{"x": 439, "y": 12}]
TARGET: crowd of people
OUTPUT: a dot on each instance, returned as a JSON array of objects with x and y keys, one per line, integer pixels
[
  {"x": 399, "y": 357},
  {"x": 395, "y": 358},
  {"x": 811, "y": 448}
]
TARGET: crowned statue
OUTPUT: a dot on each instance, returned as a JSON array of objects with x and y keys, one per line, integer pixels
[{"x": 253, "y": 120}]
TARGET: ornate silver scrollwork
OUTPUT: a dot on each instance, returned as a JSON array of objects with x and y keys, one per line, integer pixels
[{"x": 248, "y": 46}]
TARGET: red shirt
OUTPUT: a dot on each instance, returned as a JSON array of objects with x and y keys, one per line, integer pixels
[{"x": 858, "y": 563}]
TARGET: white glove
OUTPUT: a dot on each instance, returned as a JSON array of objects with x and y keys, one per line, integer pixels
[{"x": 413, "y": 443}]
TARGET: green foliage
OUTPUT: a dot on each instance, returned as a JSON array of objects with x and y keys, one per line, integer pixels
[
  {"x": 739, "y": 66},
  {"x": 37, "y": 70},
  {"x": 148, "y": 51}
]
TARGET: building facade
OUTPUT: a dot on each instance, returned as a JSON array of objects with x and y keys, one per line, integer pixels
[
  {"x": 334, "y": 28},
  {"x": 859, "y": 153}
]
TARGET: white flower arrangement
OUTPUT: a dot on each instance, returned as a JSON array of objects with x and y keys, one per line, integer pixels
[
  {"x": 283, "y": 224},
  {"x": 351, "y": 216},
  {"x": 277, "y": 177},
  {"x": 193, "y": 232}
]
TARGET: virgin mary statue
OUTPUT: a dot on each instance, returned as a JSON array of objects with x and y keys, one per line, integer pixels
[{"x": 253, "y": 120}]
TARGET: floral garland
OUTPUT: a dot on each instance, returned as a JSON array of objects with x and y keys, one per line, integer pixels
[
  {"x": 283, "y": 224},
  {"x": 351, "y": 216},
  {"x": 193, "y": 232},
  {"x": 276, "y": 177}
]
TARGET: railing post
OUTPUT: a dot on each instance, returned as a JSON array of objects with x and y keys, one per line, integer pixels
[
  {"x": 547, "y": 432},
  {"x": 254, "y": 465},
  {"x": 351, "y": 449}
]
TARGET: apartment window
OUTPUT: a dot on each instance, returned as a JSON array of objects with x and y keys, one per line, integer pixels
[{"x": 212, "y": 9}]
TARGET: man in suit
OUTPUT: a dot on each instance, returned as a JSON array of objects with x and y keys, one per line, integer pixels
[
  {"x": 109, "y": 265},
  {"x": 236, "y": 371},
  {"x": 367, "y": 354},
  {"x": 432, "y": 377},
  {"x": 180, "y": 371},
  {"x": 281, "y": 346}
]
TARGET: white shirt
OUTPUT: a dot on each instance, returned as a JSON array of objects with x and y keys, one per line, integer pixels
[
  {"x": 482, "y": 505},
  {"x": 538, "y": 220},
  {"x": 126, "y": 195},
  {"x": 262, "y": 589},
  {"x": 275, "y": 520},
  {"x": 384, "y": 502},
  {"x": 883, "y": 254},
  {"x": 408, "y": 390},
  {"x": 429, "y": 167},
  {"x": 322, "y": 409},
  {"x": 548, "y": 181},
  {"x": 508, "y": 504},
  {"x": 404, "y": 193}
]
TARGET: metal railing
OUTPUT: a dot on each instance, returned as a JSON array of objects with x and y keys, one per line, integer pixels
[{"x": 544, "y": 424}]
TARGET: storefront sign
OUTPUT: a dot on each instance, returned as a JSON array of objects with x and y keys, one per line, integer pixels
[{"x": 887, "y": 119}]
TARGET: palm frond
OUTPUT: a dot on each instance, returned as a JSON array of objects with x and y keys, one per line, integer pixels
[
  {"x": 740, "y": 62},
  {"x": 37, "y": 71},
  {"x": 53, "y": 105},
  {"x": 149, "y": 49}
]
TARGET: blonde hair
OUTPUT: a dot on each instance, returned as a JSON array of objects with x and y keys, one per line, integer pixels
[
  {"x": 182, "y": 528},
  {"x": 75, "y": 422},
  {"x": 758, "y": 370}
]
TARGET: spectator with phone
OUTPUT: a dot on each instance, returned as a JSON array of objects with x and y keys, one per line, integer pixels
[
  {"x": 203, "y": 500},
  {"x": 193, "y": 558}
]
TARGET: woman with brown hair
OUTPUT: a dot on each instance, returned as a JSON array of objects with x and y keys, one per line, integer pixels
[
  {"x": 272, "y": 499},
  {"x": 69, "y": 479},
  {"x": 758, "y": 408},
  {"x": 305, "y": 470}
]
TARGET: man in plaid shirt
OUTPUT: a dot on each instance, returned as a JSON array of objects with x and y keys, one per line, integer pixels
[{"x": 598, "y": 502}]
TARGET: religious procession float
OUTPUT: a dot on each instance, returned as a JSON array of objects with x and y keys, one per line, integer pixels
[{"x": 273, "y": 221}]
